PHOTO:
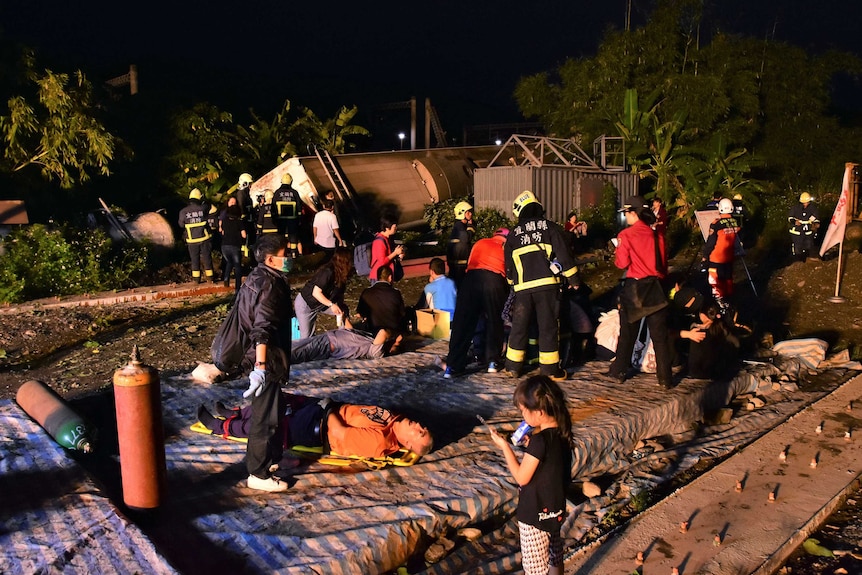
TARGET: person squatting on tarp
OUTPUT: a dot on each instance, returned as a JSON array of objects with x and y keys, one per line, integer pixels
[
  {"x": 719, "y": 254},
  {"x": 264, "y": 308},
  {"x": 342, "y": 428},
  {"x": 481, "y": 297},
  {"x": 537, "y": 256},
  {"x": 381, "y": 306},
  {"x": 460, "y": 242},
  {"x": 324, "y": 293},
  {"x": 640, "y": 251},
  {"x": 198, "y": 236},
  {"x": 288, "y": 211},
  {"x": 804, "y": 220},
  {"x": 543, "y": 474}
]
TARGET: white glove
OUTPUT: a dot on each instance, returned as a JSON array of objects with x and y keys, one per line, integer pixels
[{"x": 256, "y": 383}]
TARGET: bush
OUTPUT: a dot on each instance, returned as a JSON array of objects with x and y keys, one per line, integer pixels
[{"x": 40, "y": 262}]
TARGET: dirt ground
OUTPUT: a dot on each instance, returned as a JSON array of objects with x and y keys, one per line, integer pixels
[{"x": 77, "y": 349}]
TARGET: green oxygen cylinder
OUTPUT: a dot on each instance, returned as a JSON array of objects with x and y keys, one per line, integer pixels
[{"x": 52, "y": 412}]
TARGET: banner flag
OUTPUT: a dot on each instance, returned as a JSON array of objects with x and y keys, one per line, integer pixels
[{"x": 838, "y": 223}]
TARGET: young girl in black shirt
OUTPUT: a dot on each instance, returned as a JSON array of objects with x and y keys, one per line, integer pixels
[{"x": 542, "y": 474}]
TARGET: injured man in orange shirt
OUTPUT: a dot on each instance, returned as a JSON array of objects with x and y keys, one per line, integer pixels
[{"x": 341, "y": 428}]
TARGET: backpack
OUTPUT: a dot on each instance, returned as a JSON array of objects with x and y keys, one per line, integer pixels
[
  {"x": 230, "y": 344},
  {"x": 362, "y": 258}
]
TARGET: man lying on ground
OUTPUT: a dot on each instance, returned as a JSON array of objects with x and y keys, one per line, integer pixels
[
  {"x": 344, "y": 344},
  {"x": 342, "y": 428}
]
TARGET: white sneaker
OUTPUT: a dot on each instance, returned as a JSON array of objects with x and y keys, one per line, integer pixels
[{"x": 272, "y": 485}]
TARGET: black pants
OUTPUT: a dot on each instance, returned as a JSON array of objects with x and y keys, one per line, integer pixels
[
  {"x": 201, "y": 251},
  {"x": 265, "y": 434},
  {"x": 544, "y": 306},
  {"x": 658, "y": 331},
  {"x": 482, "y": 294}
]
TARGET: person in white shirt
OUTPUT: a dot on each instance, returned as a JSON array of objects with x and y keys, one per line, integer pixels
[{"x": 325, "y": 229}]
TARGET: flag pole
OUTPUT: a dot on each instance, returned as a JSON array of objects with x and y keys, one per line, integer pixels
[{"x": 837, "y": 298}]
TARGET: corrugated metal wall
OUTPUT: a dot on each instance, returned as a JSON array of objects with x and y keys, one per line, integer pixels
[{"x": 559, "y": 188}]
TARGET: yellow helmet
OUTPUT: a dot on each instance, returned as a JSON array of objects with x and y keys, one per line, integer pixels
[
  {"x": 213, "y": 209},
  {"x": 805, "y": 197},
  {"x": 268, "y": 195},
  {"x": 524, "y": 198},
  {"x": 245, "y": 180},
  {"x": 737, "y": 196},
  {"x": 195, "y": 194},
  {"x": 461, "y": 209},
  {"x": 287, "y": 179}
]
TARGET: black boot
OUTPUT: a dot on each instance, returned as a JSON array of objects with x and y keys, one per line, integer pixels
[{"x": 206, "y": 418}]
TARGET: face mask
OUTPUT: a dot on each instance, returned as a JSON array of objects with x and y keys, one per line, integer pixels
[{"x": 286, "y": 264}]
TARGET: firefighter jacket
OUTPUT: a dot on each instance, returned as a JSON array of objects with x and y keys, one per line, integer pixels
[
  {"x": 266, "y": 220},
  {"x": 804, "y": 220},
  {"x": 287, "y": 203},
  {"x": 531, "y": 248},
  {"x": 460, "y": 242},
  {"x": 720, "y": 245},
  {"x": 193, "y": 221}
]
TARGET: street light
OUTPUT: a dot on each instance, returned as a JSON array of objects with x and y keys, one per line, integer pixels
[{"x": 401, "y": 137}]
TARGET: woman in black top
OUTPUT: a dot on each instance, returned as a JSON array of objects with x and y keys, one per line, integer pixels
[
  {"x": 231, "y": 226},
  {"x": 324, "y": 293}
]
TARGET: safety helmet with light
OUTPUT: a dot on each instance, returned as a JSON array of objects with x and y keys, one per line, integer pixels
[
  {"x": 245, "y": 180},
  {"x": 195, "y": 194},
  {"x": 287, "y": 179},
  {"x": 805, "y": 197},
  {"x": 523, "y": 199},
  {"x": 725, "y": 206},
  {"x": 461, "y": 209}
]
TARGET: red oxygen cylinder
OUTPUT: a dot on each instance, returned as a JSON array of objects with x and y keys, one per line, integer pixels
[
  {"x": 56, "y": 416},
  {"x": 137, "y": 396}
]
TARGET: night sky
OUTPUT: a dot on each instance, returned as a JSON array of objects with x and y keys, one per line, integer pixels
[{"x": 466, "y": 55}]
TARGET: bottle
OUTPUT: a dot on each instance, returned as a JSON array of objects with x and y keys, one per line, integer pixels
[
  {"x": 519, "y": 437},
  {"x": 52, "y": 412}
]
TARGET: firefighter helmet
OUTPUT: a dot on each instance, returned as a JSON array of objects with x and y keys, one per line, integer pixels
[
  {"x": 195, "y": 194},
  {"x": 213, "y": 209},
  {"x": 737, "y": 196},
  {"x": 245, "y": 180},
  {"x": 523, "y": 199},
  {"x": 805, "y": 197},
  {"x": 725, "y": 206},
  {"x": 287, "y": 179},
  {"x": 268, "y": 195},
  {"x": 461, "y": 209}
]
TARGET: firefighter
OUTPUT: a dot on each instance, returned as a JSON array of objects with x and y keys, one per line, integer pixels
[
  {"x": 460, "y": 242},
  {"x": 720, "y": 252},
  {"x": 537, "y": 258},
  {"x": 266, "y": 221},
  {"x": 198, "y": 236},
  {"x": 804, "y": 220},
  {"x": 288, "y": 211}
]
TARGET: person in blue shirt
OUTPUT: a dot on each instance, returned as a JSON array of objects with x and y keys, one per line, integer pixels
[{"x": 439, "y": 292}]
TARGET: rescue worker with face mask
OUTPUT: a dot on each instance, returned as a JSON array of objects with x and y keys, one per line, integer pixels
[
  {"x": 197, "y": 235},
  {"x": 537, "y": 259}
]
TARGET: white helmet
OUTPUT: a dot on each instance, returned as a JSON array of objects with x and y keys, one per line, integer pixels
[
  {"x": 245, "y": 180},
  {"x": 523, "y": 199},
  {"x": 725, "y": 206},
  {"x": 461, "y": 209}
]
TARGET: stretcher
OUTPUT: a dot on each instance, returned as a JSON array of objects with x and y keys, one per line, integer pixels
[{"x": 401, "y": 458}]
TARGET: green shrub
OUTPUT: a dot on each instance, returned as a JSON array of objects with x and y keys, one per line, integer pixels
[{"x": 40, "y": 262}]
